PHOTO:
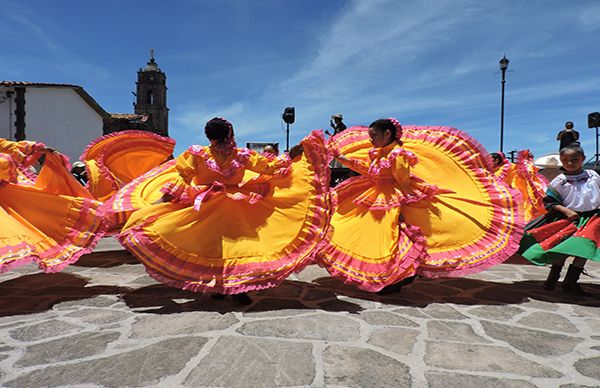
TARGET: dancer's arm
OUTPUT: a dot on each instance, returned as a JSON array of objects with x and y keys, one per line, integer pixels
[
  {"x": 21, "y": 150},
  {"x": 360, "y": 166},
  {"x": 186, "y": 166},
  {"x": 568, "y": 213},
  {"x": 8, "y": 170},
  {"x": 401, "y": 170}
]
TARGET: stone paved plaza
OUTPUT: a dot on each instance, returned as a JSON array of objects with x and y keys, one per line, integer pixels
[{"x": 103, "y": 322}]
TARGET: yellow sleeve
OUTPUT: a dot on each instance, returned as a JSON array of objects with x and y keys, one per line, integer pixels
[
  {"x": 8, "y": 171},
  {"x": 263, "y": 165},
  {"x": 19, "y": 150},
  {"x": 186, "y": 166},
  {"x": 401, "y": 170}
]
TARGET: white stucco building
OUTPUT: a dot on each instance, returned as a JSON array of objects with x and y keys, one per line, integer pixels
[{"x": 64, "y": 117}]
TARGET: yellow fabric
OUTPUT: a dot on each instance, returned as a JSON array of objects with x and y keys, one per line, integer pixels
[
  {"x": 8, "y": 169},
  {"x": 234, "y": 229},
  {"x": 116, "y": 159},
  {"x": 455, "y": 220},
  {"x": 371, "y": 235},
  {"x": 52, "y": 229},
  {"x": 450, "y": 220},
  {"x": 529, "y": 210},
  {"x": 100, "y": 187},
  {"x": 18, "y": 150},
  {"x": 528, "y": 206},
  {"x": 59, "y": 184},
  {"x": 233, "y": 232},
  {"x": 127, "y": 164}
]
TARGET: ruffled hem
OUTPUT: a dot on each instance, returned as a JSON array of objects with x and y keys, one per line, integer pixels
[
  {"x": 86, "y": 154},
  {"x": 164, "y": 143},
  {"x": 502, "y": 171},
  {"x": 174, "y": 188},
  {"x": 195, "y": 287},
  {"x": 15, "y": 256},
  {"x": 402, "y": 265},
  {"x": 66, "y": 245},
  {"x": 510, "y": 248},
  {"x": 299, "y": 253},
  {"x": 66, "y": 248}
]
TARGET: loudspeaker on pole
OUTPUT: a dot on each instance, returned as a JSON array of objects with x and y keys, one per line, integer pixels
[
  {"x": 289, "y": 115},
  {"x": 594, "y": 120}
]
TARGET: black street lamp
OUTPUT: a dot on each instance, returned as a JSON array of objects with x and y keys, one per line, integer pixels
[{"x": 503, "y": 66}]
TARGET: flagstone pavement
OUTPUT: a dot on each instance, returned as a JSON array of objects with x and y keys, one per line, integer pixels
[{"x": 103, "y": 322}]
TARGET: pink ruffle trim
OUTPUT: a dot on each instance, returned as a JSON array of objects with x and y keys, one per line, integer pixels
[
  {"x": 65, "y": 245},
  {"x": 165, "y": 143},
  {"x": 126, "y": 133},
  {"x": 233, "y": 165},
  {"x": 301, "y": 254},
  {"x": 329, "y": 255}
]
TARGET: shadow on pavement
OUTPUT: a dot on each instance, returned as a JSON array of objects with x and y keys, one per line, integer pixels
[
  {"x": 37, "y": 293},
  {"x": 162, "y": 299},
  {"x": 468, "y": 292},
  {"x": 106, "y": 259}
]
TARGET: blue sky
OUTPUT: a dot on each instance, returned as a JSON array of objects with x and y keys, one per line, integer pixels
[{"x": 423, "y": 62}]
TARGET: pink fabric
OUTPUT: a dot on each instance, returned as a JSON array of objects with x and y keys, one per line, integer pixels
[{"x": 141, "y": 242}]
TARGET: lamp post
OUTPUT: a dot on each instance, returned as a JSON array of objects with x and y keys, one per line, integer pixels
[{"x": 503, "y": 66}]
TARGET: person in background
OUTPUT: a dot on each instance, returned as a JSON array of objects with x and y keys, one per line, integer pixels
[
  {"x": 79, "y": 172},
  {"x": 336, "y": 123},
  {"x": 567, "y": 136},
  {"x": 271, "y": 149}
]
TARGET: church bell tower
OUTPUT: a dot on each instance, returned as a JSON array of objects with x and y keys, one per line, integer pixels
[{"x": 151, "y": 96}]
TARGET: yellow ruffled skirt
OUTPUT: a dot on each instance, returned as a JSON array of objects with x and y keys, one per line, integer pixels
[
  {"x": 48, "y": 219},
  {"x": 230, "y": 245},
  {"x": 471, "y": 224}
]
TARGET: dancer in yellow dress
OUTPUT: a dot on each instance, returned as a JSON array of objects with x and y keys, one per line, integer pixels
[
  {"x": 391, "y": 223},
  {"x": 523, "y": 176},
  {"x": 232, "y": 220},
  {"x": 48, "y": 218}
]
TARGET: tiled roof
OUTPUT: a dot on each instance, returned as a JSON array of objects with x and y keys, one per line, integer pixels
[
  {"x": 36, "y": 84},
  {"x": 125, "y": 116},
  {"x": 78, "y": 89},
  {"x": 129, "y": 116}
]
